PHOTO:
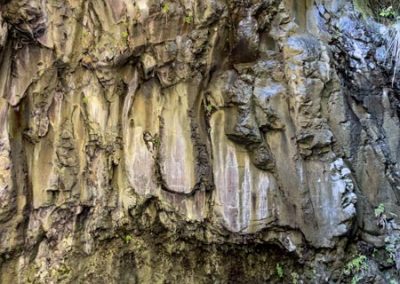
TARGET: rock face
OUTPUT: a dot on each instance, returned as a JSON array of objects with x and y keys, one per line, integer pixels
[{"x": 212, "y": 141}]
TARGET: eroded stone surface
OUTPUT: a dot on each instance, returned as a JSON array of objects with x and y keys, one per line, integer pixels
[{"x": 145, "y": 141}]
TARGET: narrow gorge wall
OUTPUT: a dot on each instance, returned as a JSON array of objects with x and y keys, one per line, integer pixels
[{"x": 213, "y": 141}]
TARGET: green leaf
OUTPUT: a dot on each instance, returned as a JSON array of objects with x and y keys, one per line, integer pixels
[
  {"x": 125, "y": 34},
  {"x": 165, "y": 8},
  {"x": 279, "y": 270},
  {"x": 379, "y": 210},
  {"x": 188, "y": 19}
]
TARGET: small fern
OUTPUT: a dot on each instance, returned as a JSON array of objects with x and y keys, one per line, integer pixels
[
  {"x": 165, "y": 8},
  {"x": 379, "y": 210},
  {"x": 127, "y": 239},
  {"x": 388, "y": 12},
  {"x": 125, "y": 35},
  {"x": 189, "y": 19},
  {"x": 279, "y": 270},
  {"x": 356, "y": 265}
]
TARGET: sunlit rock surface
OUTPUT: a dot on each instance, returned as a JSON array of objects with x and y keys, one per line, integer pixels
[{"x": 196, "y": 141}]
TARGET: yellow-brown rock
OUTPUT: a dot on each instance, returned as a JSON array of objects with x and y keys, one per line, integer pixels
[{"x": 214, "y": 141}]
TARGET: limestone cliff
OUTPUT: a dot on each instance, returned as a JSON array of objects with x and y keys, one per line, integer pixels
[{"x": 197, "y": 141}]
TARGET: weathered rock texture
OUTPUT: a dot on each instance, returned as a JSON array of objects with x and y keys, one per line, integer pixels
[{"x": 196, "y": 141}]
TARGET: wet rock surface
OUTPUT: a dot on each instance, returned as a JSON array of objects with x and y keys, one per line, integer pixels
[{"x": 197, "y": 142}]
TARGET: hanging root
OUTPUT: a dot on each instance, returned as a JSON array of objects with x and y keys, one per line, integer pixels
[{"x": 393, "y": 48}]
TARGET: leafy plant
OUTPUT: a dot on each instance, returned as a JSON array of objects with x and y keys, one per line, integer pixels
[
  {"x": 388, "y": 12},
  {"x": 209, "y": 108},
  {"x": 279, "y": 270},
  {"x": 384, "y": 11},
  {"x": 127, "y": 239},
  {"x": 380, "y": 214},
  {"x": 165, "y": 8},
  {"x": 85, "y": 100},
  {"x": 355, "y": 266},
  {"x": 189, "y": 19},
  {"x": 379, "y": 210},
  {"x": 125, "y": 35}
]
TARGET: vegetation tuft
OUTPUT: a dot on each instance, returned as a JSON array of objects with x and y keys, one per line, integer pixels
[{"x": 386, "y": 12}]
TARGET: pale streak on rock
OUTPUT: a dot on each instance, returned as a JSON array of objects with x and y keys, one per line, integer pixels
[
  {"x": 243, "y": 192},
  {"x": 176, "y": 150},
  {"x": 141, "y": 117}
]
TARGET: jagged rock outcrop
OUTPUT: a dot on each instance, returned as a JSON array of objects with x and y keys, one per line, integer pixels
[{"x": 160, "y": 141}]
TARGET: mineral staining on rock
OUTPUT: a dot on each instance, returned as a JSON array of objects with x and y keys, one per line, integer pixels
[{"x": 195, "y": 142}]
